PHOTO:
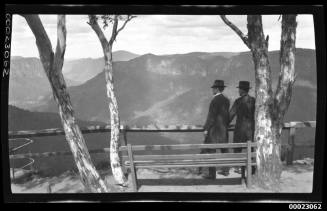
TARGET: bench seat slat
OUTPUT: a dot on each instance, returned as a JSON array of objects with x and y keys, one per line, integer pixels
[
  {"x": 179, "y": 165},
  {"x": 189, "y": 161},
  {"x": 185, "y": 146},
  {"x": 186, "y": 162},
  {"x": 188, "y": 156}
]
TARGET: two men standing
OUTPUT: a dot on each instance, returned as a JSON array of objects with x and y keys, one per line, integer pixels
[{"x": 219, "y": 118}]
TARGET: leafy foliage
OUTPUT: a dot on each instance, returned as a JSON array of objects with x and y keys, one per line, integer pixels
[{"x": 110, "y": 19}]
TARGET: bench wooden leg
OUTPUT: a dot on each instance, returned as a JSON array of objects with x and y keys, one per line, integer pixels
[
  {"x": 133, "y": 169},
  {"x": 249, "y": 167},
  {"x": 134, "y": 179},
  {"x": 248, "y": 178}
]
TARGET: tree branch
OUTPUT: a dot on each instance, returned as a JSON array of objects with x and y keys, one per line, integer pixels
[
  {"x": 130, "y": 17},
  {"x": 114, "y": 35},
  {"x": 97, "y": 29},
  {"x": 61, "y": 43},
  {"x": 237, "y": 30},
  {"x": 287, "y": 74},
  {"x": 42, "y": 40},
  {"x": 114, "y": 30}
]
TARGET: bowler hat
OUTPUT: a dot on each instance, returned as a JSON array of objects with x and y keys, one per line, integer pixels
[
  {"x": 244, "y": 85},
  {"x": 218, "y": 83}
]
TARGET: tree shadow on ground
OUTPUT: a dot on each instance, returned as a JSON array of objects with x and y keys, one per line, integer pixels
[
  {"x": 53, "y": 180},
  {"x": 34, "y": 183},
  {"x": 77, "y": 188}
]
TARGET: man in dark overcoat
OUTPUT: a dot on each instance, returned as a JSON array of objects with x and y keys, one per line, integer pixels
[
  {"x": 243, "y": 108},
  {"x": 216, "y": 125}
]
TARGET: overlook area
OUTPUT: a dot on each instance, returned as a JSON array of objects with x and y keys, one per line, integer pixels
[
  {"x": 297, "y": 178},
  {"x": 175, "y": 103}
]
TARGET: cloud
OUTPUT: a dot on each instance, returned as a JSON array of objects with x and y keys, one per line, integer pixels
[
  {"x": 305, "y": 21},
  {"x": 187, "y": 21},
  {"x": 158, "y": 34}
]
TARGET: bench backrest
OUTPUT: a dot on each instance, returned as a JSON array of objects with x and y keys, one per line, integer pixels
[{"x": 158, "y": 152}]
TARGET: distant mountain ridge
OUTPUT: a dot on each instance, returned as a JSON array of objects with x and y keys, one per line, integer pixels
[
  {"x": 84, "y": 69},
  {"x": 145, "y": 82},
  {"x": 122, "y": 55},
  {"x": 143, "y": 85},
  {"x": 28, "y": 83}
]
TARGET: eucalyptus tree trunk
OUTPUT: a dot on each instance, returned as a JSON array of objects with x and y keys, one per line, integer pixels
[
  {"x": 268, "y": 145},
  {"x": 114, "y": 120},
  {"x": 283, "y": 93},
  {"x": 270, "y": 107},
  {"x": 112, "y": 100},
  {"x": 286, "y": 78},
  {"x": 52, "y": 64}
]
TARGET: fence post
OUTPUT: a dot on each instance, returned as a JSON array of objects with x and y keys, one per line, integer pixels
[
  {"x": 49, "y": 190},
  {"x": 249, "y": 165},
  {"x": 125, "y": 135},
  {"x": 13, "y": 167},
  {"x": 123, "y": 142},
  {"x": 291, "y": 145},
  {"x": 13, "y": 172},
  {"x": 132, "y": 167},
  {"x": 31, "y": 165}
]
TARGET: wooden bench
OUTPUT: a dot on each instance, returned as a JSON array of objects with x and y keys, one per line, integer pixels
[{"x": 177, "y": 160}]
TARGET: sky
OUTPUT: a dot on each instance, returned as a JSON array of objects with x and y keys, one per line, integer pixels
[{"x": 157, "y": 34}]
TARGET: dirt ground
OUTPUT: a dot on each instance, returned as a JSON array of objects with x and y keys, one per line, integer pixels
[{"x": 297, "y": 178}]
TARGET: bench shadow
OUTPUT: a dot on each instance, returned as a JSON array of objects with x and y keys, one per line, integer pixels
[{"x": 189, "y": 182}]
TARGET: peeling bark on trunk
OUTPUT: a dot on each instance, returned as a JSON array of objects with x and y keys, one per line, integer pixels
[
  {"x": 114, "y": 121},
  {"x": 52, "y": 64},
  {"x": 286, "y": 78},
  {"x": 112, "y": 101},
  {"x": 268, "y": 150},
  {"x": 283, "y": 93}
]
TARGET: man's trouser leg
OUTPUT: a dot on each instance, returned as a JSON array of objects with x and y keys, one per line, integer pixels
[
  {"x": 239, "y": 150},
  {"x": 211, "y": 170},
  {"x": 225, "y": 170},
  {"x": 203, "y": 151}
]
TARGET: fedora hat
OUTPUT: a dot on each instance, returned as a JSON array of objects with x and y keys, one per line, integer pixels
[
  {"x": 244, "y": 85},
  {"x": 218, "y": 83}
]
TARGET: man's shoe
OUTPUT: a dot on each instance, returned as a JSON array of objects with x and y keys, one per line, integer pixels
[
  {"x": 238, "y": 170},
  {"x": 225, "y": 173}
]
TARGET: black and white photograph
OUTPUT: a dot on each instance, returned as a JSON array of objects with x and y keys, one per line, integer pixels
[{"x": 139, "y": 102}]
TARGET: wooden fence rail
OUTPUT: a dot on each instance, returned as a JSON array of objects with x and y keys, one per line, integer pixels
[
  {"x": 149, "y": 128},
  {"x": 290, "y": 126}
]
